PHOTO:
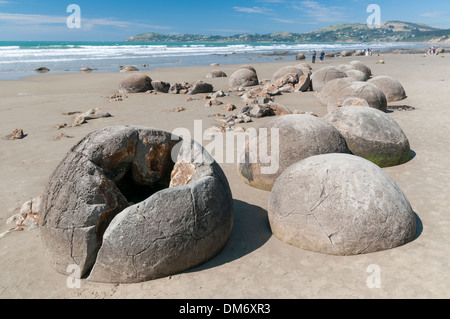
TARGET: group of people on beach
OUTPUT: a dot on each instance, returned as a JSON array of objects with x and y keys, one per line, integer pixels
[
  {"x": 368, "y": 52},
  {"x": 432, "y": 50},
  {"x": 314, "y": 56}
]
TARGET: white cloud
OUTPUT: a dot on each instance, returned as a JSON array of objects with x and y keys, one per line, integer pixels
[
  {"x": 260, "y": 10},
  {"x": 88, "y": 23},
  {"x": 320, "y": 12},
  {"x": 434, "y": 14}
]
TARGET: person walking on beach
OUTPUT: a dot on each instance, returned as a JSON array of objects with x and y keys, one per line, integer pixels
[
  {"x": 314, "y": 56},
  {"x": 322, "y": 56}
]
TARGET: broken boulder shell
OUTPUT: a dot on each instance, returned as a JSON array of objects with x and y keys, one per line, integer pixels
[
  {"x": 371, "y": 134},
  {"x": 340, "y": 204},
  {"x": 131, "y": 204},
  {"x": 283, "y": 141}
]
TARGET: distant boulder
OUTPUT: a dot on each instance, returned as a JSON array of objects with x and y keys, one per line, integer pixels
[
  {"x": 128, "y": 68},
  {"x": 243, "y": 77},
  {"x": 300, "y": 56},
  {"x": 216, "y": 74},
  {"x": 42, "y": 70},
  {"x": 135, "y": 83}
]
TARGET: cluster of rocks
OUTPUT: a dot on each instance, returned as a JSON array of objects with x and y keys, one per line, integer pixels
[
  {"x": 27, "y": 218},
  {"x": 140, "y": 83},
  {"x": 340, "y": 201}
]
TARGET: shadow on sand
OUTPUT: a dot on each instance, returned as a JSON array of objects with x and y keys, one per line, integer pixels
[{"x": 251, "y": 230}]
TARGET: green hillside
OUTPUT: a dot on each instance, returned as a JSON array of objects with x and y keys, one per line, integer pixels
[{"x": 391, "y": 31}]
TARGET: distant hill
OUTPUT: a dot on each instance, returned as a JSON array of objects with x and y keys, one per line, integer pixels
[{"x": 392, "y": 31}]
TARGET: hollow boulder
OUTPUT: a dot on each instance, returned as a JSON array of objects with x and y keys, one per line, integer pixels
[
  {"x": 130, "y": 204},
  {"x": 287, "y": 139},
  {"x": 340, "y": 204},
  {"x": 371, "y": 134}
]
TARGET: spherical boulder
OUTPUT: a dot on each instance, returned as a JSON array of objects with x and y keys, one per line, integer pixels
[
  {"x": 280, "y": 142},
  {"x": 364, "y": 90},
  {"x": 346, "y": 67},
  {"x": 371, "y": 134},
  {"x": 130, "y": 204},
  {"x": 303, "y": 65},
  {"x": 357, "y": 75},
  {"x": 128, "y": 68},
  {"x": 349, "y": 101},
  {"x": 243, "y": 77},
  {"x": 216, "y": 74},
  {"x": 323, "y": 75},
  {"x": 300, "y": 56},
  {"x": 286, "y": 70},
  {"x": 392, "y": 88},
  {"x": 362, "y": 67},
  {"x": 331, "y": 87},
  {"x": 340, "y": 204},
  {"x": 135, "y": 83}
]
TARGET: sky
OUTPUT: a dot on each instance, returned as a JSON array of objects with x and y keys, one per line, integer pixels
[{"x": 117, "y": 20}]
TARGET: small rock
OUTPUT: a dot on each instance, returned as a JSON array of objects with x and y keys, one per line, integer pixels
[
  {"x": 17, "y": 135},
  {"x": 42, "y": 70},
  {"x": 180, "y": 109},
  {"x": 229, "y": 107}
]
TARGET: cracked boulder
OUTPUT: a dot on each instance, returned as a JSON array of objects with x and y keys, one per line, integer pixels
[
  {"x": 283, "y": 141},
  {"x": 340, "y": 204},
  {"x": 131, "y": 204},
  {"x": 371, "y": 134},
  {"x": 355, "y": 89}
]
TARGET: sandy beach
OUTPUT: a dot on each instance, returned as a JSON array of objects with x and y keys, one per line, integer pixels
[{"x": 254, "y": 264}]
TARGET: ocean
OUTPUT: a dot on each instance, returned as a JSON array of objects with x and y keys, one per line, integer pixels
[{"x": 20, "y": 59}]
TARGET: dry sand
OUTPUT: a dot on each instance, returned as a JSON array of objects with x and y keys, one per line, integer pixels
[{"x": 254, "y": 264}]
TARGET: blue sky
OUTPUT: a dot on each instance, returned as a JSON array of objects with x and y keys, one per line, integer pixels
[{"x": 116, "y": 20}]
